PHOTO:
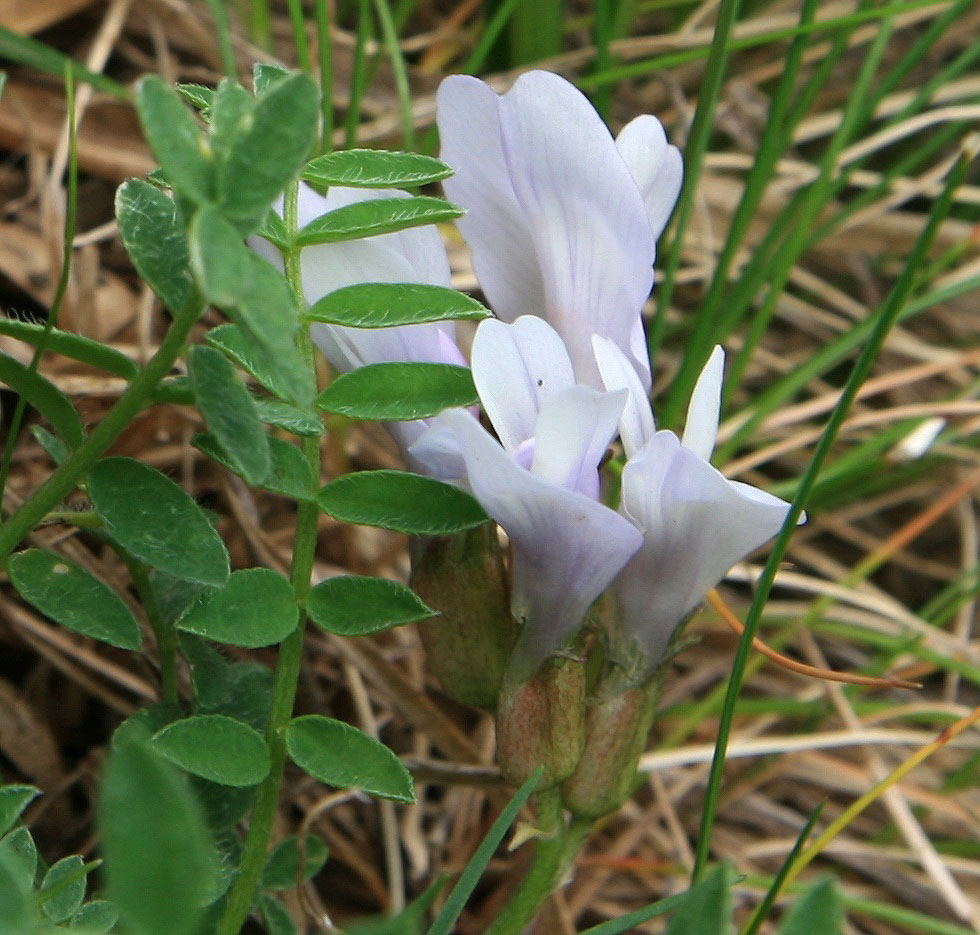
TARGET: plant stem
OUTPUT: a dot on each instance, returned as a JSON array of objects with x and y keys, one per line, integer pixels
[
  {"x": 290, "y": 650},
  {"x": 553, "y": 855},
  {"x": 63, "y": 480},
  {"x": 163, "y": 630}
]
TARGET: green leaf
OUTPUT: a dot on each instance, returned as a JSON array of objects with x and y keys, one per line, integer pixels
[
  {"x": 819, "y": 909},
  {"x": 229, "y": 412},
  {"x": 159, "y": 862},
  {"x": 400, "y": 501},
  {"x": 399, "y": 391},
  {"x": 68, "y": 877},
  {"x": 53, "y": 446},
  {"x": 237, "y": 344},
  {"x": 377, "y": 216},
  {"x": 273, "y": 229},
  {"x": 45, "y": 397},
  {"x": 218, "y": 257},
  {"x": 19, "y": 849},
  {"x": 280, "y": 869},
  {"x": 340, "y": 755},
  {"x": 153, "y": 233},
  {"x": 708, "y": 907},
  {"x": 197, "y": 95},
  {"x": 269, "y": 150},
  {"x": 289, "y": 476},
  {"x": 477, "y": 864},
  {"x": 277, "y": 920},
  {"x": 215, "y": 747},
  {"x": 372, "y": 168},
  {"x": 386, "y": 304},
  {"x": 69, "y": 595},
  {"x": 255, "y": 607},
  {"x": 156, "y": 521},
  {"x": 291, "y": 418},
  {"x": 96, "y": 918},
  {"x": 265, "y": 75},
  {"x": 350, "y": 605},
  {"x": 410, "y": 921},
  {"x": 175, "y": 139},
  {"x": 16, "y": 917},
  {"x": 71, "y": 345},
  {"x": 13, "y": 800},
  {"x": 229, "y": 113}
]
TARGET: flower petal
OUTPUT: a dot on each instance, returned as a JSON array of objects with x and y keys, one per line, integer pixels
[
  {"x": 566, "y": 547},
  {"x": 584, "y": 211},
  {"x": 636, "y": 427},
  {"x": 705, "y": 407},
  {"x": 516, "y": 368},
  {"x": 696, "y": 524},
  {"x": 657, "y": 168},
  {"x": 494, "y": 226},
  {"x": 573, "y": 431}
]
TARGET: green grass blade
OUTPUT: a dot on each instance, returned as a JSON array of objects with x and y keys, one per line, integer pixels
[
  {"x": 478, "y": 862},
  {"x": 321, "y": 13},
  {"x": 71, "y": 211},
  {"x": 222, "y": 29},
  {"x": 883, "y": 322},
  {"x": 694, "y": 150},
  {"x": 771, "y": 145},
  {"x": 27, "y": 51},
  {"x": 358, "y": 80},
  {"x": 389, "y": 34},
  {"x": 297, "y": 20}
]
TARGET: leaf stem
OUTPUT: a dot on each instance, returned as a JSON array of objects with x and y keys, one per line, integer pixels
[
  {"x": 142, "y": 386},
  {"x": 288, "y": 664}
]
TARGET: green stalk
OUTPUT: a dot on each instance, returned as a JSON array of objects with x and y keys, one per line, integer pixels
[
  {"x": 389, "y": 33},
  {"x": 223, "y": 29},
  {"x": 77, "y": 464},
  {"x": 297, "y": 19},
  {"x": 603, "y": 56},
  {"x": 554, "y": 853},
  {"x": 325, "y": 64},
  {"x": 358, "y": 78},
  {"x": 71, "y": 207},
  {"x": 260, "y": 23},
  {"x": 163, "y": 630},
  {"x": 854, "y": 116},
  {"x": 694, "y": 150},
  {"x": 772, "y": 144},
  {"x": 883, "y": 322},
  {"x": 287, "y": 672}
]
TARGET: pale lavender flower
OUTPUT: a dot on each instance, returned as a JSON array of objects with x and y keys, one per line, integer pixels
[
  {"x": 540, "y": 481},
  {"x": 695, "y": 522},
  {"x": 561, "y": 220}
]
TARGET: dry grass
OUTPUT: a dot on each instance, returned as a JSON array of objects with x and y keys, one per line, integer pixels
[{"x": 797, "y": 741}]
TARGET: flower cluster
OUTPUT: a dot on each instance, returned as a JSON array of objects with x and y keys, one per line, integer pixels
[{"x": 562, "y": 222}]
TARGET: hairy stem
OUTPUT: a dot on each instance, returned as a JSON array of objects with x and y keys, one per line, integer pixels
[
  {"x": 64, "y": 479},
  {"x": 290, "y": 651},
  {"x": 554, "y": 853}
]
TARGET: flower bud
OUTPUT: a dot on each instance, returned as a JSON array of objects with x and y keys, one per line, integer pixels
[
  {"x": 616, "y": 730},
  {"x": 463, "y": 578},
  {"x": 540, "y": 723}
]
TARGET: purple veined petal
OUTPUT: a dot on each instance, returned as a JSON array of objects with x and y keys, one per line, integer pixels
[
  {"x": 349, "y": 348},
  {"x": 704, "y": 409},
  {"x": 517, "y": 367},
  {"x": 696, "y": 524},
  {"x": 657, "y": 168},
  {"x": 573, "y": 431},
  {"x": 636, "y": 426},
  {"x": 566, "y": 547},
  {"x": 584, "y": 212},
  {"x": 494, "y": 227}
]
